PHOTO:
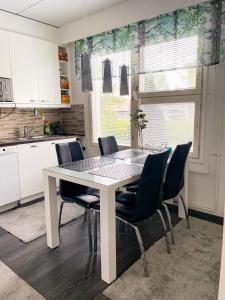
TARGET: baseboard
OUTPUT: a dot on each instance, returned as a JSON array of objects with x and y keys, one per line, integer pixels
[
  {"x": 10, "y": 206},
  {"x": 30, "y": 202},
  {"x": 201, "y": 215}
]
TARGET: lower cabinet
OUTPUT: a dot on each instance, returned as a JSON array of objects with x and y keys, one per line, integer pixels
[{"x": 33, "y": 158}]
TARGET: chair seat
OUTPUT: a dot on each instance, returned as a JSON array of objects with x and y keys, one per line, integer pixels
[
  {"x": 126, "y": 213},
  {"x": 87, "y": 200},
  {"x": 132, "y": 188},
  {"x": 127, "y": 199}
]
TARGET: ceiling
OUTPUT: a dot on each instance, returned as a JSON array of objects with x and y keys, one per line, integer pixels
[{"x": 55, "y": 12}]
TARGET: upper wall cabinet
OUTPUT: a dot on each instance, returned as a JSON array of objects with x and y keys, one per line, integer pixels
[
  {"x": 48, "y": 72},
  {"x": 5, "y": 70},
  {"x": 33, "y": 65},
  {"x": 24, "y": 69}
]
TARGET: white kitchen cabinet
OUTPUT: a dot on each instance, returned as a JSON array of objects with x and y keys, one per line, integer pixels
[
  {"x": 33, "y": 158},
  {"x": 9, "y": 176},
  {"x": 24, "y": 69},
  {"x": 48, "y": 72},
  {"x": 5, "y": 69}
]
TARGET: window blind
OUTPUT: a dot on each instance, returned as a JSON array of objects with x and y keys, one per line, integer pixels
[
  {"x": 169, "y": 65},
  {"x": 169, "y": 123}
]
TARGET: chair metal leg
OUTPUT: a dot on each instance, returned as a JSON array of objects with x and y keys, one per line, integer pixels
[
  {"x": 85, "y": 215},
  {"x": 60, "y": 215},
  {"x": 141, "y": 245},
  {"x": 122, "y": 228},
  {"x": 95, "y": 232},
  {"x": 169, "y": 221},
  {"x": 89, "y": 231},
  {"x": 140, "y": 242},
  {"x": 165, "y": 231},
  {"x": 186, "y": 212}
]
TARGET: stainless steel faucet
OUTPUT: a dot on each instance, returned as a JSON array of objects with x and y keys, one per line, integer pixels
[{"x": 27, "y": 130}]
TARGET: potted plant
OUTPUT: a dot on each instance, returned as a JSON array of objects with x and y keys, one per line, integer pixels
[
  {"x": 140, "y": 123},
  {"x": 56, "y": 127}
]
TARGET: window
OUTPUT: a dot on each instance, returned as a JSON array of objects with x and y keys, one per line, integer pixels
[
  {"x": 169, "y": 84},
  {"x": 110, "y": 112},
  {"x": 170, "y": 88}
]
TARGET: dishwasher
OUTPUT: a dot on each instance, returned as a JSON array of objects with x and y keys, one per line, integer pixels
[{"x": 9, "y": 176}]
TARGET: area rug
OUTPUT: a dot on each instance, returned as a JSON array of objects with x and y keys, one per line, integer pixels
[
  {"x": 191, "y": 271},
  {"x": 28, "y": 223},
  {"x": 12, "y": 287}
]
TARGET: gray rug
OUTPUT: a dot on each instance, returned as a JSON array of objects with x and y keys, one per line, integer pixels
[
  {"x": 191, "y": 271},
  {"x": 28, "y": 223},
  {"x": 12, "y": 287}
]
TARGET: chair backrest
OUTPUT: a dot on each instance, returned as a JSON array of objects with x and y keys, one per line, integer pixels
[
  {"x": 66, "y": 153},
  {"x": 150, "y": 187},
  {"x": 76, "y": 151},
  {"x": 174, "y": 180},
  {"x": 107, "y": 145}
]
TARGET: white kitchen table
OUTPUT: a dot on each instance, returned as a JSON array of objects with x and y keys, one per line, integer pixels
[{"x": 107, "y": 188}]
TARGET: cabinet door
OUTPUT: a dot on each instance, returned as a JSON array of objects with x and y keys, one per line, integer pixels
[
  {"x": 48, "y": 72},
  {"x": 33, "y": 158},
  {"x": 24, "y": 68},
  {"x": 5, "y": 69}
]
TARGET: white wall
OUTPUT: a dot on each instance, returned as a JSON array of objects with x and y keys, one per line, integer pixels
[
  {"x": 26, "y": 26},
  {"x": 118, "y": 15}
]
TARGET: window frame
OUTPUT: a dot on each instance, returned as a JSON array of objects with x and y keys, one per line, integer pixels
[{"x": 157, "y": 97}]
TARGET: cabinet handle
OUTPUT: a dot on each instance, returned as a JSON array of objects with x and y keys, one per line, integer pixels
[
  {"x": 53, "y": 143},
  {"x": 34, "y": 146},
  {"x": 32, "y": 100}
]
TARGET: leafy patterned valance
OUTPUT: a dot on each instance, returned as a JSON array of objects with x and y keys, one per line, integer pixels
[{"x": 206, "y": 20}]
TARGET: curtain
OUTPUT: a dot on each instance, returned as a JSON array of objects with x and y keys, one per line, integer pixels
[{"x": 206, "y": 21}]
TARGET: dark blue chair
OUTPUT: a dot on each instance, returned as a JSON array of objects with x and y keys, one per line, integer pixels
[
  {"x": 107, "y": 145},
  {"x": 174, "y": 181},
  {"x": 147, "y": 200},
  {"x": 72, "y": 192}
]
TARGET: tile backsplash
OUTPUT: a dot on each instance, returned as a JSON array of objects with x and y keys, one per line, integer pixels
[{"x": 72, "y": 120}]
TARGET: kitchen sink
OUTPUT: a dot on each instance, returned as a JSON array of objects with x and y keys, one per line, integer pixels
[
  {"x": 32, "y": 138},
  {"x": 38, "y": 137}
]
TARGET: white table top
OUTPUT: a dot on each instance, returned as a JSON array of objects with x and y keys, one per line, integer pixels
[{"x": 91, "y": 180}]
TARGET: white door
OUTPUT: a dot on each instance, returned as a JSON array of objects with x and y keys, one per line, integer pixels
[
  {"x": 5, "y": 69},
  {"x": 48, "y": 72},
  {"x": 24, "y": 68},
  {"x": 33, "y": 158}
]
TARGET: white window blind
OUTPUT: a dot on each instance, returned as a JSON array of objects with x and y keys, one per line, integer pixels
[
  {"x": 110, "y": 112},
  {"x": 169, "y": 66},
  {"x": 169, "y": 123}
]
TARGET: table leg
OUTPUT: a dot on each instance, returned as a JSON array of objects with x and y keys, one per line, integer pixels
[
  {"x": 51, "y": 211},
  {"x": 108, "y": 235},
  {"x": 181, "y": 212}
]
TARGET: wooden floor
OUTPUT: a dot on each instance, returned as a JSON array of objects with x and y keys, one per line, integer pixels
[{"x": 69, "y": 272}]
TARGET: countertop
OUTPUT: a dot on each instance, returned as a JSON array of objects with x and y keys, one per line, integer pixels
[{"x": 4, "y": 142}]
